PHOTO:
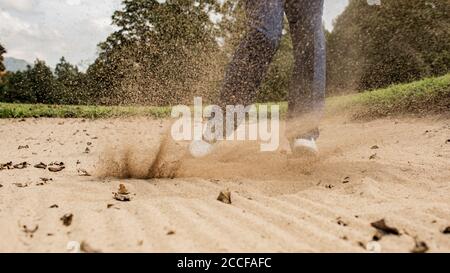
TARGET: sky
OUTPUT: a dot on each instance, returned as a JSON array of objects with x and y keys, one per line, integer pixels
[{"x": 49, "y": 29}]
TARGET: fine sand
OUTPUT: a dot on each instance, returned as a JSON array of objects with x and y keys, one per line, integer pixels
[{"x": 392, "y": 169}]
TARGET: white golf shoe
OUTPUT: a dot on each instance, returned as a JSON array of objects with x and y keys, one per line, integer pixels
[
  {"x": 200, "y": 148},
  {"x": 304, "y": 147}
]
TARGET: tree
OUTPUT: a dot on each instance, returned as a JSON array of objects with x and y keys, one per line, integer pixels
[
  {"x": 35, "y": 85},
  {"x": 42, "y": 81},
  {"x": 18, "y": 88},
  {"x": 38, "y": 84},
  {"x": 397, "y": 41},
  {"x": 2, "y": 72},
  {"x": 2, "y": 66},
  {"x": 345, "y": 48},
  {"x": 69, "y": 79},
  {"x": 157, "y": 54}
]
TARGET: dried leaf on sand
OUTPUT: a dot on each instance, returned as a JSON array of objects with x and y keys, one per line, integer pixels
[
  {"x": 41, "y": 166},
  {"x": 7, "y": 166},
  {"x": 224, "y": 197},
  {"x": 20, "y": 166},
  {"x": 20, "y": 185},
  {"x": 83, "y": 172},
  {"x": 44, "y": 179},
  {"x": 384, "y": 228},
  {"x": 67, "y": 219},
  {"x": 171, "y": 232},
  {"x": 341, "y": 222},
  {"x": 56, "y": 169}
]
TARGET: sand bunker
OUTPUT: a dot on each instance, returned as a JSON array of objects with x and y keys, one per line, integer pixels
[{"x": 394, "y": 170}]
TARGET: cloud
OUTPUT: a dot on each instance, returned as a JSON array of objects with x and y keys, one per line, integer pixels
[
  {"x": 73, "y": 2},
  {"x": 17, "y": 34},
  {"x": 53, "y": 28},
  {"x": 102, "y": 23},
  {"x": 11, "y": 25},
  {"x": 332, "y": 9},
  {"x": 18, "y": 5}
]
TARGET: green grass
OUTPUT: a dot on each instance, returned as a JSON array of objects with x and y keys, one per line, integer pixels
[
  {"x": 12, "y": 110},
  {"x": 430, "y": 95}
]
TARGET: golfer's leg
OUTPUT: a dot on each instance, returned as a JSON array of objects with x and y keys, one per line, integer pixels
[
  {"x": 255, "y": 52},
  {"x": 246, "y": 71},
  {"x": 307, "y": 90}
]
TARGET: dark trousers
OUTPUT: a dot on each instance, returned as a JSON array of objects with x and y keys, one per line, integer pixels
[{"x": 254, "y": 54}]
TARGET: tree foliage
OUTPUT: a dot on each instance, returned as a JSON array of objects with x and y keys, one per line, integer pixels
[
  {"x": 2, "y": 70},
  {"x": 35, "y": 85},
  {"x": 157, "y": 53},
  {"x": 2, "y": 51},
  {"x": 397, "y": 41},
  {"x": 39, "y": 84},
  {"x": 70, "y": 84}
]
